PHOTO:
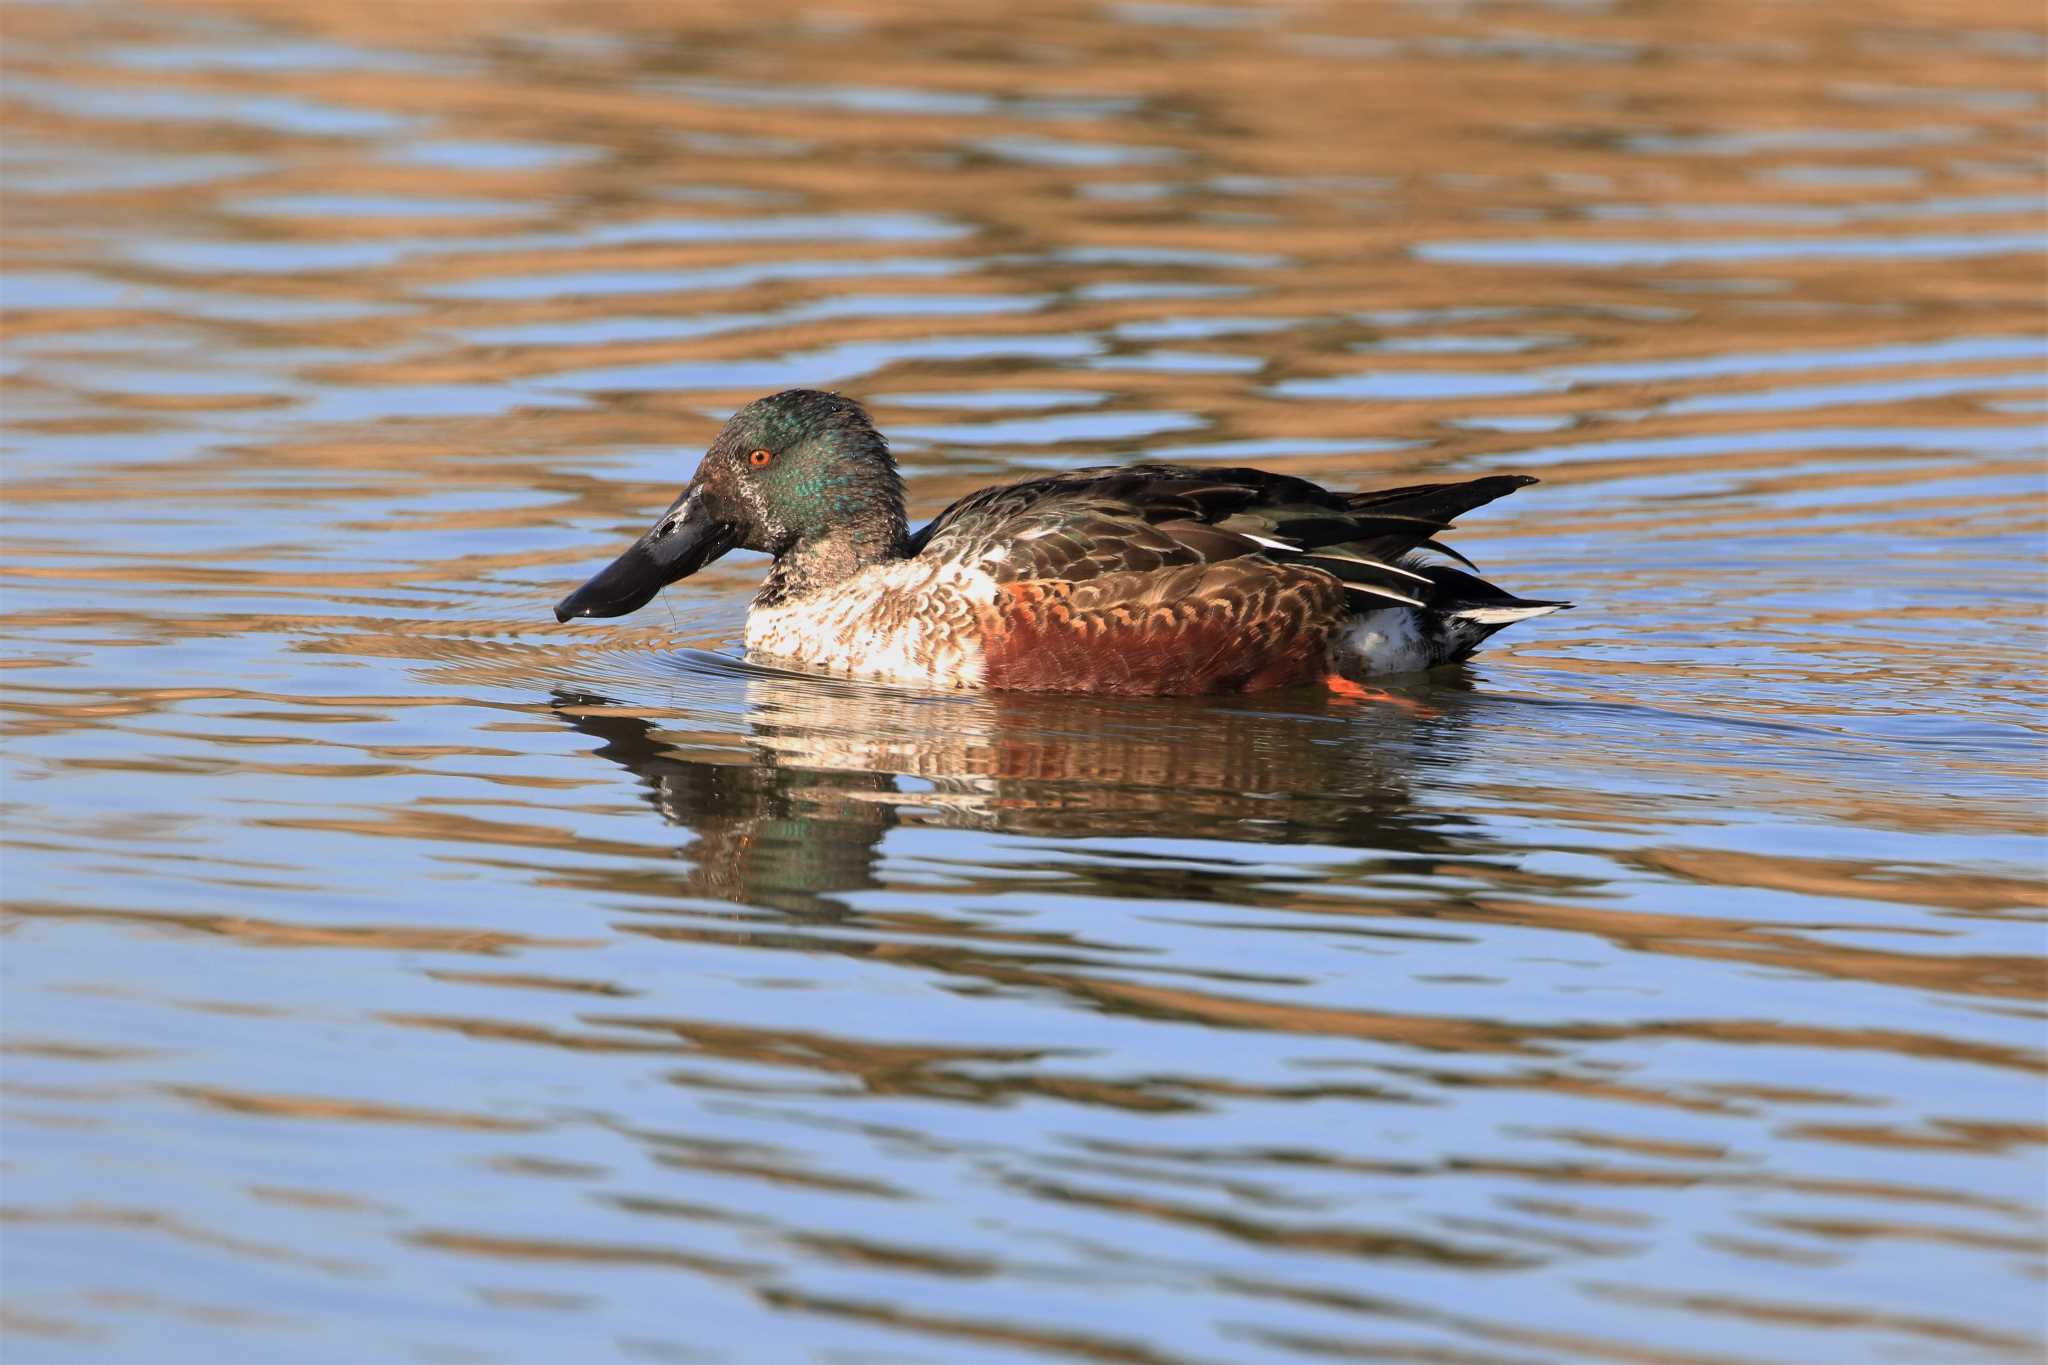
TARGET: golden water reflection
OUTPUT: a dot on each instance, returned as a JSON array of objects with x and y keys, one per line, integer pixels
[{"x": 393, "y": 973}]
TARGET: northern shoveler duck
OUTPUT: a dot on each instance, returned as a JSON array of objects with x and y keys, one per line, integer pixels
[{"x": 1144, "y": 580}]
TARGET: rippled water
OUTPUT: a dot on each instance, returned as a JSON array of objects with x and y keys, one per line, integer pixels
[{"x": 394, "y": 974}]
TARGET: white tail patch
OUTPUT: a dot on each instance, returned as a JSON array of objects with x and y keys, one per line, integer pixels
[
  {"x": 1389, "y": 640},
  {"x": 1504, "y": 614},
  {"x": 1397, "y": 640}
]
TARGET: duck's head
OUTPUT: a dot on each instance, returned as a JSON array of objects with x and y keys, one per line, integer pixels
[{"x": 796, "y": 471}]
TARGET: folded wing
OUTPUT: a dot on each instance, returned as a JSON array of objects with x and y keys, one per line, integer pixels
[{"x": 1139, "y": 519}]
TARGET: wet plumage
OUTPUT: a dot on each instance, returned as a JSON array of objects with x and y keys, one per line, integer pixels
[{"x": 1147, "y": 579}]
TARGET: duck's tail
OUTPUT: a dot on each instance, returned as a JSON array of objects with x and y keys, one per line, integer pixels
[{"x": 1464, "y": 611}]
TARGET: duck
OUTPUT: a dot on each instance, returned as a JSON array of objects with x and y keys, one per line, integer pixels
[{"x": 1130, "y": 580}]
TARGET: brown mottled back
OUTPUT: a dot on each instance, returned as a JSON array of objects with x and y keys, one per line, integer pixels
[{"x": 1237, "y": 626}]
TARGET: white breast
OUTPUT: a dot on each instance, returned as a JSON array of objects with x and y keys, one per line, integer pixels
[{"x": 915, "y": 621}]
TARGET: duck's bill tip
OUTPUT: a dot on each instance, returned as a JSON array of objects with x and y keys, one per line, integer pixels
[
  {"x": 610, "y": 593},
  {"x": 625, "y": 585},
  {"x": 682, "y": 542}
]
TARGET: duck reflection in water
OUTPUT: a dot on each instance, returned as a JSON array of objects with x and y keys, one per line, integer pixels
[{"x": 830, "y": 767}]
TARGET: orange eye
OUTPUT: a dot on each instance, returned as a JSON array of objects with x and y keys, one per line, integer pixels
[{"x": 760, "y": 458}]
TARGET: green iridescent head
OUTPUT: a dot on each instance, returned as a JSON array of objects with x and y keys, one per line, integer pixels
[
  {"x": 800, "y": 464},
  {"x": 800, "y": 474}
]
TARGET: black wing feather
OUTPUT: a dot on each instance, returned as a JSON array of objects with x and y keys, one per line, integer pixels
[{"x": 1085, "y": 523}]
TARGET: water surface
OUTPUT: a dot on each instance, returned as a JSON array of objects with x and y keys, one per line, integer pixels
[{"x": 394, "y": 974}]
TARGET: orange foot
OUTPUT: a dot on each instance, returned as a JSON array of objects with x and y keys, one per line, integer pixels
[{"x": 1342, "y": 687}]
